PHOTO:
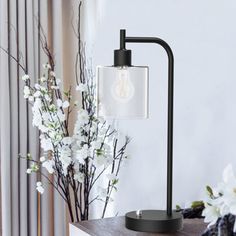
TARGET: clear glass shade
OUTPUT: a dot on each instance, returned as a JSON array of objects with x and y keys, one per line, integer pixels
[{"x": 122, "y": 92}]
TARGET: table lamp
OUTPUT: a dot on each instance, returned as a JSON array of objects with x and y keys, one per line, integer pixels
[{"x": 122, "y": 92}]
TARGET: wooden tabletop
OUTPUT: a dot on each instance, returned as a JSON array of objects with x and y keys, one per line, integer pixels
[{"x": 116, "y": 227}]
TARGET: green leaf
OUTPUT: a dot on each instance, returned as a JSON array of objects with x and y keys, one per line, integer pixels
[
  {"x": 99, "y": 152},
  {"x": 115, "y": 181},
  {"x": 209, "y": 190},
  {"x": 196, "y": 204},
  {"x": 66, "y": 93},
  {"x": 34, "y": 167},
  {"x": 178, "y": 207}
]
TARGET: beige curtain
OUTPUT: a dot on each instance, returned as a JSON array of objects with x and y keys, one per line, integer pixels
[{"x": 25, "y": 212}]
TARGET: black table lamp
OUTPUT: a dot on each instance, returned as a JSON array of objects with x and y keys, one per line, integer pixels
[{"x": 123, "y": 93}]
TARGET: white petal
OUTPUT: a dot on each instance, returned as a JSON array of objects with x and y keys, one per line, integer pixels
[
  {"x": 31, "y": 98},
  {"x": 43, "y": 79},
  {"x": 48, "y": 165},
  {"x": 28, "y": 171},
  {"x": 59, "y": 102},
  {"x": 37, "y": 94},
  {"x": 65, "y": 104},
  {"x": 37, "y": 86},
  {"x": 25, "y": 77},
  {"x": 42, "y": 159},
  {"x": 52, "y": 73},
  {"x": 228, "y": 174}
]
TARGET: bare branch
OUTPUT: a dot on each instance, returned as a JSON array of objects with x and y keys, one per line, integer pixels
[{"x": 14, "y": 58}]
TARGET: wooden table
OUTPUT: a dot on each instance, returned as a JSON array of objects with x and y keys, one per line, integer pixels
[{"x": 116, "y": 227}]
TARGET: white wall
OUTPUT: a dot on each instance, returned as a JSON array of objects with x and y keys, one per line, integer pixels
[{"x": 202, "y": 35}]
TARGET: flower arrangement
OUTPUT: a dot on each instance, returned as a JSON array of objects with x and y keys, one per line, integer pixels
[
  {"x": 74, "y": 161},
  {"x": 79, "y": 159},
  {"x": 220, "y": 206}
]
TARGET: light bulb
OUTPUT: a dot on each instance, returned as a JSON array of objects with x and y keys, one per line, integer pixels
[{"x": 122, "y": 89}]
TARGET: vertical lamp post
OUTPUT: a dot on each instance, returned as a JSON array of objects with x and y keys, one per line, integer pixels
[{"x": 123, "y": 93}]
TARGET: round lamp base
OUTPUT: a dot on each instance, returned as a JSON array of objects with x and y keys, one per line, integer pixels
[{"x": 154, "y": 221}]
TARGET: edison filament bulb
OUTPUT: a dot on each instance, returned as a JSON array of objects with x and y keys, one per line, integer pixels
[{"x": 122, "y": 88}]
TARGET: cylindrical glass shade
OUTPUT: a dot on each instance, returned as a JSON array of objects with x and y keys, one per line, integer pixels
[{"x": 122, "y": 92}]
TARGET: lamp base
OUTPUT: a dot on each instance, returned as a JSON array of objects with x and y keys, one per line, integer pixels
[{"x": 154, "y": 221}]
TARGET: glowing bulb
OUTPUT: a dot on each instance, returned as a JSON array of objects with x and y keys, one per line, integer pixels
[{"x": 123, "y": 89}]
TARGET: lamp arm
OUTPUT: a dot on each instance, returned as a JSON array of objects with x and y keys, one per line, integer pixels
[{"x": 123, "y": 40}]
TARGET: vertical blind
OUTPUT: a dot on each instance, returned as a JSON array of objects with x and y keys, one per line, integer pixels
[{"x": 24, "y": 211}]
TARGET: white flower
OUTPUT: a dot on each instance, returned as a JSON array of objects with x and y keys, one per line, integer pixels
[
  {"x": 82, "y": 120},
  {"x": 67, "y": 140},
  {"x": 26, "y": 91},
  {"x": 48, "y": 165},
  {"x": 46, "y": 116},
  {"x": 43, "y": 79},
  {"x": 25, "y": 77},
  {"x": 39, "y": 187},
  {"x": 37, "y": 119},
  {"x": 223, "y": 200},
  {"x": 42, "y": 159},
  {"x": 47, "y": 97},
  {"x": 102, "y": 157},
  {"x": 56, "y": 136},
  {"x": 43, "y": 128},
  {"x": 83, "y": 116},
  {"x": 46, "y": 144},
  {"x": 65, "y": 104},
  {"x": 37, "y": 94},
  {"x": 93, "y": 128},
  {"x": 229, "y": 189},
  {"x": 111, "y": 177},
  {"x": 82, "y": 87},
  {"x": 37, "y": 105},
  {"x": 65, "y": 158},
  {"x": 109, "y": 160},
  {"x": 107, "y": 148},
  {"x": 100, "y": 160},
  {"x": 55, "y": 87},
  {"x": 31, "y": 98},
  {"x": 102, "y": 131},
  {"x": 52, "y": 73},
  {"x": 37, "y": 86},
  {"x": 96, "y": 144},
  {"x": 59, "y": 102},
  {"x": 34, "y": 167},
  {"x": 43, "y": 89},
  {"x": 83, "y": 153},
  {"x": 79, "y": 138},
  {"x": 228, "y": 175},
  {"x": 28, "y": 171},
  {"x": 61, "y": 116},
  {"x": 79, "y": 177},
  {"x": 211, "y": 213}
]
